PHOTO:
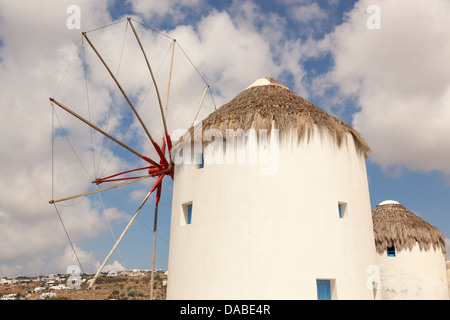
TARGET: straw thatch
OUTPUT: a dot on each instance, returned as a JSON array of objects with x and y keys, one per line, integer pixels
[
  {"x": 261, "y": 106},
  {"x": 394, "y": 225}
]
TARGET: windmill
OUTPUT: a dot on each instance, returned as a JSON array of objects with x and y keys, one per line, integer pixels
[{"x": 158, "y": 167}]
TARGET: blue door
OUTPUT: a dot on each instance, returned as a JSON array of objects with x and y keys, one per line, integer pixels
[{"x": 323, "y": 290}]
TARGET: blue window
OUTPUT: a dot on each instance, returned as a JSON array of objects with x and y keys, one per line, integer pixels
[
  {"x": 189, "y": 214},
  {"x": 391, "y": 251},
  {"x": 342, "y": 207},
  {"x": 202, "y": 162},
  {"x": 186, "y": 216},
  {"x": 323, "y": 289}
]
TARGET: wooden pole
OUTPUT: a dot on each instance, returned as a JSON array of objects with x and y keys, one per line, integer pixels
[
  {"x": 152, "y": 277},
  {"x": 170, "y": 76},
  {"x": 103, "y": 132},
  {"x": 120, "y": 239},
  {"x": 151, "y": 73},
  {"x": 200, "y": 106},
  {"x": 98, "y": 190},
  {"x": 120, "y": 88}
]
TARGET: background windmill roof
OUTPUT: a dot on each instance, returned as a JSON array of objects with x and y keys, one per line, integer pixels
[
  {"x": 394, "y": 225},
  {"x": 268, "y": 101}
]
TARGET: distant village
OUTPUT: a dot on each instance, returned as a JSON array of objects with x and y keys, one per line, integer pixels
[{"x": 47, "y": 286}]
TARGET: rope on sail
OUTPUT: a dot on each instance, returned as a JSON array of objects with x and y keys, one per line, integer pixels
[{"x": 56, "y": 208}]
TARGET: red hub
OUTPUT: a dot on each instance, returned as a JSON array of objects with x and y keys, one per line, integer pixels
[{"x": 164, "y": 168}]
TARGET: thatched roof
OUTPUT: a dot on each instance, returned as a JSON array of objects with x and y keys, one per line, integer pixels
[
  {"x": 268, "y": 102},
  {"x": 394, "y": 225}
]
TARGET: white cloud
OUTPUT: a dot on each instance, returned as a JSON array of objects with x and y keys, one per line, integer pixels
[
  {"x": 139, "y": 194},
  {"x": 115, "y": 266},
  {"x": 307, "y": 13},
  {"x": 175, "y": 10},
  {"x": 400, "y": 76}
]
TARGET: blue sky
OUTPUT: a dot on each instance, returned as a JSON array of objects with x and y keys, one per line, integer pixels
[{"x": 392, "y": 84}]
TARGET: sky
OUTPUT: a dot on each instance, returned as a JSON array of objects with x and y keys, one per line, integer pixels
[{"x": 380, "y": 66}]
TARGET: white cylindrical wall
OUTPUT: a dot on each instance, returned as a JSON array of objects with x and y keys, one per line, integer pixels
[
  {"x": 271, "y": 236},
  {"x": 413, "y": 274},
  {"x": 447, "y": 263}
]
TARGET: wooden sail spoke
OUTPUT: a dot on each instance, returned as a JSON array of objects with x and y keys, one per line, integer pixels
[
  {"x": 158, "y": 181},
  {"x": 124, "y": 95},
  {"x": 93, "y": 126},
  {"x": 152, "y": 75},
  {"x": 99, "y": 190}
]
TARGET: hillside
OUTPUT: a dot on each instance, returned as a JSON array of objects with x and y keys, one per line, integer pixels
[{"x": 121, "y": 287}]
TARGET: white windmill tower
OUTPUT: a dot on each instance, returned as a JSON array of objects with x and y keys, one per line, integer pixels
[
  {"x": 278, "y": 209},
  {"x": 411, "y": 254}
]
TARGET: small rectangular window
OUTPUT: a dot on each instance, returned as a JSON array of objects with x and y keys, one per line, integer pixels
[
  {"x": 187, "y": 214},
  {"x": 342, "y": 207},
  {"x": 391, "y": 251},
  {"x": 202, "y": 161}
]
